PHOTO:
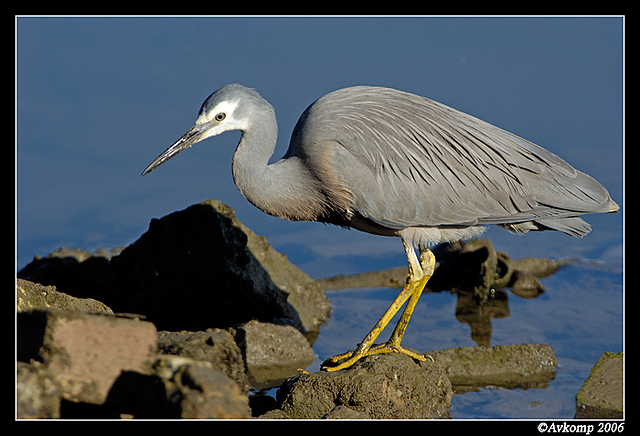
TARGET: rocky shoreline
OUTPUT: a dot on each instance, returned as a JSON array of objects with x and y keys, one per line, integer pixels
[{"x": 199, "y": 315}]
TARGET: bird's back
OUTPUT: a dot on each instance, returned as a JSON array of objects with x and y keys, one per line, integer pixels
[{"x": 408, "y": 161}]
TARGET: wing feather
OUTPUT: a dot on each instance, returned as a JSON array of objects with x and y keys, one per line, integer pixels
[{"x": 410, "y": 161}]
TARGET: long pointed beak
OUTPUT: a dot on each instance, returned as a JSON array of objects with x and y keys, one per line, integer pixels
[{"x": 195, "y": 134}]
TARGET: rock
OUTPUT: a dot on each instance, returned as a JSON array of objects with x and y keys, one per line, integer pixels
[
  {"x": 179, "y": 387},
  {"x": 95, "y": 366},
  {"x": 272, "y": 352},
  {"x": 601, "y": 396},
  {"x": 193, "y": 269},
  {"x": 210, "y": 394},
  {"x": 85, "y": 353},
  {"x": 255, "y": 355},
  {"x": 38, "y": 393},
  {"x": 509, "y": 366},
  {"x": 214, "y": 346},
  {"x": 197, "y": 269},
  {"x": 387, "y": 278},
  {"x": 475, "y": 266},
  {"x": 384, "y": 386},
  {"x": 344, "y": 412},
  {"x": 302, "y": 292},
  {"x": 274, "y": 414},
  {"x": 75, "y": 272},
  {"x": 237, "y": 315},
  {"x": 472, "y": 266},
  {"x": 31, "y": 296},
  {"x": 526, "y": 272}
]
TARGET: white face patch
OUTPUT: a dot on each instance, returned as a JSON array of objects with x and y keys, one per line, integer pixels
[{"x": 226, "y": 107}]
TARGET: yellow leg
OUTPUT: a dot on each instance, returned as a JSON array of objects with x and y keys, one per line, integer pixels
[{"x": 411, "y": 291}]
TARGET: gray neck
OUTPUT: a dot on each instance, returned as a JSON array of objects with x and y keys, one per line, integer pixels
[{"x": 286, "y": 188}]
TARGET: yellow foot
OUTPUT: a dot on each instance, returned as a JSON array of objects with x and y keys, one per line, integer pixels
[
  {"x": 419, "y": 274},
  {"x": 346, "y": 360}
]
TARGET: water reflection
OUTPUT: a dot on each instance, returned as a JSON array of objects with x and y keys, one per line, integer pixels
[
  {"x": 473, "y": 271},
  {"x": 479, "y": 315}
]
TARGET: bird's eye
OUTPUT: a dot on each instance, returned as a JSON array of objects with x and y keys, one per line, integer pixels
[{"x": 221, "y": 116}]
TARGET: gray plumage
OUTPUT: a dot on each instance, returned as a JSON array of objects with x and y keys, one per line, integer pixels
[{"x": 397, "y": 164}]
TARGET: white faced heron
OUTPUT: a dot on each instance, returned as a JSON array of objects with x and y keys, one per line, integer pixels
[{"x": 396, "y": 164}]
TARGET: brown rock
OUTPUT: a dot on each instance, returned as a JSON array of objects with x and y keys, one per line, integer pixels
[
  {"x": 32, "y": 296},
  {"x": 385, "y": 386},
  {"x": 214, "y": 346},
  {"x": 272, "y": 352},
  {"x": 601, "y": 396},
  {"x": 38, "y": 392},
  {"x": 210, "y": 394},
  {"x": 509, "y": 366},
  {"x": 344, "y": 412},
  {"x": 86, "y": 353}
]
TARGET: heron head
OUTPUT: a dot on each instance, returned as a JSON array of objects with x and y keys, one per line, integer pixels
[{"x": 228, "y": 108}]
